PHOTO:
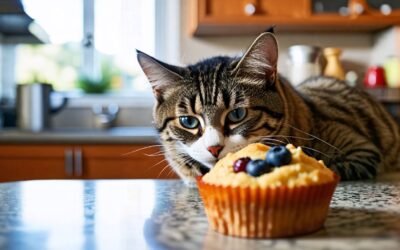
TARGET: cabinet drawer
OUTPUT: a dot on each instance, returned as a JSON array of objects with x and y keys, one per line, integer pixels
[
  {"x": 16, "y": 169},
  {"x": 125, "y": 161},
  {"x": 32, "y": 151}
]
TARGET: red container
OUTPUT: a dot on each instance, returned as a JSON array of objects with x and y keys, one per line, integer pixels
[{"x": 375, "y": 77}]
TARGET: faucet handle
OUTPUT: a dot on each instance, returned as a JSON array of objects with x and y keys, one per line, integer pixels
[
  {"x": 112, "y": 109},
  {"x": 105, "y": 116}
]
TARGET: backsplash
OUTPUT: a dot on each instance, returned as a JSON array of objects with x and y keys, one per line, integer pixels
[{"x": 83, "y": 117}]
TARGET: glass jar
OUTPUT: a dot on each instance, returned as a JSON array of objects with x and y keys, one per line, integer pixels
[{"x": 303, "y": 63}]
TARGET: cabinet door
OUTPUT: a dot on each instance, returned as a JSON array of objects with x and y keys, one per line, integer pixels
[
  {"x": 124, "y": 162},
  {"x": 28, "y": 162},
  {"x": 240, "y": 17}
]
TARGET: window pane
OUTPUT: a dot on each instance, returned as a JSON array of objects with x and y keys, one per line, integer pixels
[
  {"x": 121, "y": 27},
  {"x": 56, "y": 63}
]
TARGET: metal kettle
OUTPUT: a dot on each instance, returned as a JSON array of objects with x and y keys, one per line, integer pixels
[{"x": 34, "y": 106}]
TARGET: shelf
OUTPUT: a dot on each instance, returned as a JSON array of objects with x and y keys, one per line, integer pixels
[
  {"x": 385, "y": 95},
  {"x": 210, "y": 18}
]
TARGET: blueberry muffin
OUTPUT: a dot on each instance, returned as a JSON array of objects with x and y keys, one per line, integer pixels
[{"x": 263, "y": 192}]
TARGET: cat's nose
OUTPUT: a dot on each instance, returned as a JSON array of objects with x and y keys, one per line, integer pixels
[{"x": 215, "y": 150}]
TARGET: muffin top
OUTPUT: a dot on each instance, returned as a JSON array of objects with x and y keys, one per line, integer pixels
[{"x": 302, "y": 170}]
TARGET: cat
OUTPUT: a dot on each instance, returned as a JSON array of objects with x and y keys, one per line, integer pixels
[{"x": 221, "y": 104}]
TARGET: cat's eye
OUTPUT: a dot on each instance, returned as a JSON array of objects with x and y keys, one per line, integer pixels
[
  {"x": 189, "y": 122},
  {"x": 237, "y": 115}
]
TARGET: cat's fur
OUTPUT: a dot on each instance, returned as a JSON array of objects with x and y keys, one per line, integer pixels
[{"x": 343, "y": 126}]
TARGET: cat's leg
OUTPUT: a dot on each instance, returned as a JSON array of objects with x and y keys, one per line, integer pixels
[{"x": 353, "y": 156}]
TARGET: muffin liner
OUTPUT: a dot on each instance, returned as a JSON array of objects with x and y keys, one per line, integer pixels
[{"x": 270, "y": 212}]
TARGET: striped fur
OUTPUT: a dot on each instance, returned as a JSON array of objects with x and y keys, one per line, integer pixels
[{"x": 341, "y": 125}]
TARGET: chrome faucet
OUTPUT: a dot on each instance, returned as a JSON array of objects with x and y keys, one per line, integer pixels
[{"x": 105, "y": 116}]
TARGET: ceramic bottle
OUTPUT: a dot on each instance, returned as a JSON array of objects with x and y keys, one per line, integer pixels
[{"x": 333, "y": 66}]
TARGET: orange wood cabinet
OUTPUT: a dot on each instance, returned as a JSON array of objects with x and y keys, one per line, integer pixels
[
  {"x": 124, "y": 161},
  {"x": 237, "y": 17},
  {"x": 29, "y": 162},
  {"x": 33, "y": 162}
]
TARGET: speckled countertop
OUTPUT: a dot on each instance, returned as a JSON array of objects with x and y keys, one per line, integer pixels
[
  {"x": 148, "y": 214},
  {"x": 124, "y": 135}
]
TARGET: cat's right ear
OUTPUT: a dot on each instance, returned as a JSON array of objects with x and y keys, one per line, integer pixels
[
  {"x": 160, "y": 75},
  {"x": 260, "y": 60}
]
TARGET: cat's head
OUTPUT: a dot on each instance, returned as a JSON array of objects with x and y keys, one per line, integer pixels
[{"x": 219, "y": 105}]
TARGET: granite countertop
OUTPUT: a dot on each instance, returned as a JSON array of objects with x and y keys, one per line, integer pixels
[
  {"x": 155, "y": 214},
  {"x": 124, "y": 135}
]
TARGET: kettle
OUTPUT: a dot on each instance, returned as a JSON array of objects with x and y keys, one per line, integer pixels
[{"x": 34, "y": 106}]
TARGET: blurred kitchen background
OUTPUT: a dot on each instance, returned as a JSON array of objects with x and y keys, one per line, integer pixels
[
  {"x": 69, "y": 75},
  {"x": 86, "y": 48}
]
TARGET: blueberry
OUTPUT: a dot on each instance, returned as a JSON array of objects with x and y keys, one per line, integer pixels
[
  {"x": 257, "y": 167},
  {"x": 240, "y": 164},
  {"x": 278, "y": 156}
]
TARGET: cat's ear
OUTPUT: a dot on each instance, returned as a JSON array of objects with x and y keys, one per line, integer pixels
[
  {"x": 260, "y": 60},
  {"x": 160, "y": 75}
]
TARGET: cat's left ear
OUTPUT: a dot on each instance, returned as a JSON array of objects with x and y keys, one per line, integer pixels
[
  {"x": 160, "y": 75},
  {"x": 260, "y": 60}
]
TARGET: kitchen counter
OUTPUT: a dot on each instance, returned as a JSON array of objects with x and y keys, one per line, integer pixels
[
  {"x": 155, "y": 214},
  {"x": 118, "y": 135}
]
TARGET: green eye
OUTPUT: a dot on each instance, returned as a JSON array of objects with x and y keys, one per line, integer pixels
[
  {"x": 237, "y": 115},
  {"x": 189, "y": 122}
]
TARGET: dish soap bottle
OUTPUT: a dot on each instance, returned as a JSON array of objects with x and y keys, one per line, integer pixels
[{"x": 333, "y": 66}]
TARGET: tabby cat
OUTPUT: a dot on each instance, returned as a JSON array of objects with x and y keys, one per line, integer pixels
[{"x": 221, "y": 104}]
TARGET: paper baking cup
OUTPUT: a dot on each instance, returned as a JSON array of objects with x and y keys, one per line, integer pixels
[{"x": 266, "y": 212}]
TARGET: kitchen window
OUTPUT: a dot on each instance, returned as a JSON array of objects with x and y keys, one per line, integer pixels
[{"x": 93, "y": 42}]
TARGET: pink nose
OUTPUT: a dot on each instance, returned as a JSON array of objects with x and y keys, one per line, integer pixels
[{"x": 215, "y": 150}]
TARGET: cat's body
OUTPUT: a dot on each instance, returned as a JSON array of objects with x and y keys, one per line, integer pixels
[
  {"x": 222, "y": 104},
  {"x": 355, "y": 135}
]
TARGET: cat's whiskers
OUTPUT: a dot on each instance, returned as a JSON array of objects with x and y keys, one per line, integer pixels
[
  {"x": 305, "y": 147},
  {"x": 318, "y": 151},
  {"x": 140, "y": 149},
  {"x": 154, "y": 165},
  {"x": 164, "y": 168},
  {"x": 272, "y": 143},
  {"x": 171, "y": 148},
  {"x": 171, "y": 171},
  {"x": 313, "y": 136},
  {"x": 265, "y": 138},
  {"x": 292, "y": 137},
  {"x": 162, "y": 152}
]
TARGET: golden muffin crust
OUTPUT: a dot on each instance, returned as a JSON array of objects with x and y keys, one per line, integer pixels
[{"x": 302, "y": 170}]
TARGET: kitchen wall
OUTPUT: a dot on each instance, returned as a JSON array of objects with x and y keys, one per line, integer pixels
[
  {"x": 134, "y": 110},
  {"x": 358, "y": 48}
]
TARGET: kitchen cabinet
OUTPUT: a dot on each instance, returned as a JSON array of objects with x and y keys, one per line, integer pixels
[
  {"x": 46, "y": 161},
  {"x": 18, "y": 162},
  {"x": 237, "y": 17},
  {"x": 123, "y": 161}
]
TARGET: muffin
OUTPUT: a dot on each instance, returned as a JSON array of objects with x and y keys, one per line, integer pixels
[{"x": 263, "y": 192}]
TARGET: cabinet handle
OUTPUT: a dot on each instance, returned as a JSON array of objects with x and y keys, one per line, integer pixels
[
  {"x": 250, "y": 9},
  {"x": 68, "y": 164},
  {"x": 78, "y": 162}
]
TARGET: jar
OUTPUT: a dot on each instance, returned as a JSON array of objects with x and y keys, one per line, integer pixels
[{"x": 303, "y": 63}]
